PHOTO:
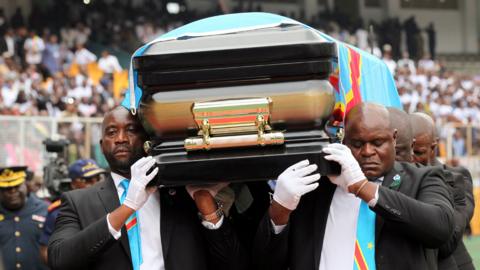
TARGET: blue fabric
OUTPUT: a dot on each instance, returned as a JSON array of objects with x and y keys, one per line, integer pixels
[
  {"x": 48, "y": 227},
  {"x": 366, "y": 235},
  {"x": 138, "y": 90},
  {"x": 134, "y": 239}
]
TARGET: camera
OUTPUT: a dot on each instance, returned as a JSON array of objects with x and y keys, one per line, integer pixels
[{"x": 55, "y": 173}]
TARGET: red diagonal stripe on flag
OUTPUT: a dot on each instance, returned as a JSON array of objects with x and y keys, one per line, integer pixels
[
  {"x": 359, "y": 259},
  {"x": 355, "y": 66},
  {"x": 131, "y": 223}
]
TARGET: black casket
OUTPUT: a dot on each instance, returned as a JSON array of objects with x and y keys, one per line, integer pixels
[{"x": 237, "y": 107}]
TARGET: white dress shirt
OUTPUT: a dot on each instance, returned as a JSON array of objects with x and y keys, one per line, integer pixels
[
  {"x": 341, "y": 230},
  {"x": 149, "y": 221}
]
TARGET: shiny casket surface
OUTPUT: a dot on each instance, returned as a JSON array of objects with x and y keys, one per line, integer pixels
[{"x": 237, "y": 107}]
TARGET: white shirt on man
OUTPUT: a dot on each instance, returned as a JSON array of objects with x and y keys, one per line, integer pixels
[
  {"x": 149, "y": 221},
  {"x": 109, "y": 64},
  {"x": 84, "y": 57},
  {"x": 340, "y": 232}
]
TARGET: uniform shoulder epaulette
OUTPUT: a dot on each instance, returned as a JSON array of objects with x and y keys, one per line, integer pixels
[{"x": 54, "y": 205}]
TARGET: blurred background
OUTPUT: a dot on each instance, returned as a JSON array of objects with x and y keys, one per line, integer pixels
[{"x": 63, "y": 64}]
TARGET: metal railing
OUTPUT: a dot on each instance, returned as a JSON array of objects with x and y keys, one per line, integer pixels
[{"x": 21, "y": 139}]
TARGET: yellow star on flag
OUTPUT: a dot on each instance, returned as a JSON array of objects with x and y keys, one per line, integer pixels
[{"x": 370, "y": 245}]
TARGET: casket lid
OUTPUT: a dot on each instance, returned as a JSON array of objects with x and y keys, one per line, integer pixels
[
  {"x": 276, "y": 51},
  {"x": 291, "y": 42}
]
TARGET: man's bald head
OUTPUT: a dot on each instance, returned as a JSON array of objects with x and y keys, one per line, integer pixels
[
  {"x": 425, "y": 136},
  {"x": 371, "y": 114},
  {"x": 371, "y": 138},
  {"x": 423, "y": 124},
  {"x": 400, "y": 121}
]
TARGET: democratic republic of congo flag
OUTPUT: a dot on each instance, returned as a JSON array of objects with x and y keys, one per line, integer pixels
[{"x": 361, "y": 77}]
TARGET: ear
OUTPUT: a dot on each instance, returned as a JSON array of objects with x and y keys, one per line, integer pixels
[
  {"x": 395, "y": 137},
  {"x": 434, "y": 144}
]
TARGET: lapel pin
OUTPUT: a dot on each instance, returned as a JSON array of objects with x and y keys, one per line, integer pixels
[{"x": 396, "y": 181}]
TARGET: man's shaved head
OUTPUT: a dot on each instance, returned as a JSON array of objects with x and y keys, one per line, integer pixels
[
  {"x": 400, "y": 120},
  {"x": 371, "y": 114},
  {"x": 370, "y": 136},
  {"x": 422, "y": 124},
  {"x": 425, "y": 136}
]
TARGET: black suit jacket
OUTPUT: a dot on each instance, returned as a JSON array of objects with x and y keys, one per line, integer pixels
[
  {"x": 81, "y": 239},
  {"x": 461, "y": 256},
  {"x": 410, "y": 217}
]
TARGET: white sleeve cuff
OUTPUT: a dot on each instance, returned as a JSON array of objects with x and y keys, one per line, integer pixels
[
  {"x": 374, "y": 201},
  {"x": 113, "y": 232},
  {"x": 277, "y": 228},
  {"x": 211, "y": 226}
]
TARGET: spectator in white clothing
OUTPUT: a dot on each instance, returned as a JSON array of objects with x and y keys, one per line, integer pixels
[
  {"x": 109, "y": 63},
  {"x": 83, "y": 56},
  {"x": 34, "y": 47}
]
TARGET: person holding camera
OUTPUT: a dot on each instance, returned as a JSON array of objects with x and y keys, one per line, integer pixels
[
  {"x": 83, "y": 173},
  {"x": 21, "y": 221},
  {"x": 124, "y": 223}
]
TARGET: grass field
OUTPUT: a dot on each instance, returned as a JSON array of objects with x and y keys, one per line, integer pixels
[{"x": 473, "y": 246}]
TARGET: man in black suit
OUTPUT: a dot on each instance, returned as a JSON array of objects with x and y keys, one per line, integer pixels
[
  {"x": 426, "y": 142},
  {"x": 412, "y": 207},
  {"x": 90, "y": 231},
  {"x": 441, "y": 258}
]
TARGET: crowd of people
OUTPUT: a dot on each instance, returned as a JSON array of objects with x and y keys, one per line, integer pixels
[
  {"x": 450, "y": 97},
  {"x": 36, "y": 76}
]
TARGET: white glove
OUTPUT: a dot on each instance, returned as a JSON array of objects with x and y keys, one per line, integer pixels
[
  {"x": 351, "y": 171},
  {"x": 137, "y": 193},
  {"x": 294, "y": 182},
  {"x": 213, "y": 189}
]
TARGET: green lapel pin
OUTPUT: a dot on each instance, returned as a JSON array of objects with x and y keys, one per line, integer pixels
[{"x": 396, "y": 182}]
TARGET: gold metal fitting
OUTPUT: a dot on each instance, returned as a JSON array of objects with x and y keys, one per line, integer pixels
[{"x": 233, "y": 123}]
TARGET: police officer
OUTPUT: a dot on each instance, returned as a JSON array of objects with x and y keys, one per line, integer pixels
[
  {"x": 21, "y": 221},
  {"x": 83, "y": 173}
]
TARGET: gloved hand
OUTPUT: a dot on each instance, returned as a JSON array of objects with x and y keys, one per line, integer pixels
[
  {"x": 213, "y": 189},
  {"x": 294, "y": 182},
  {"x": 351, "y": 171},
  {"x": 137, "y": 193}
]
